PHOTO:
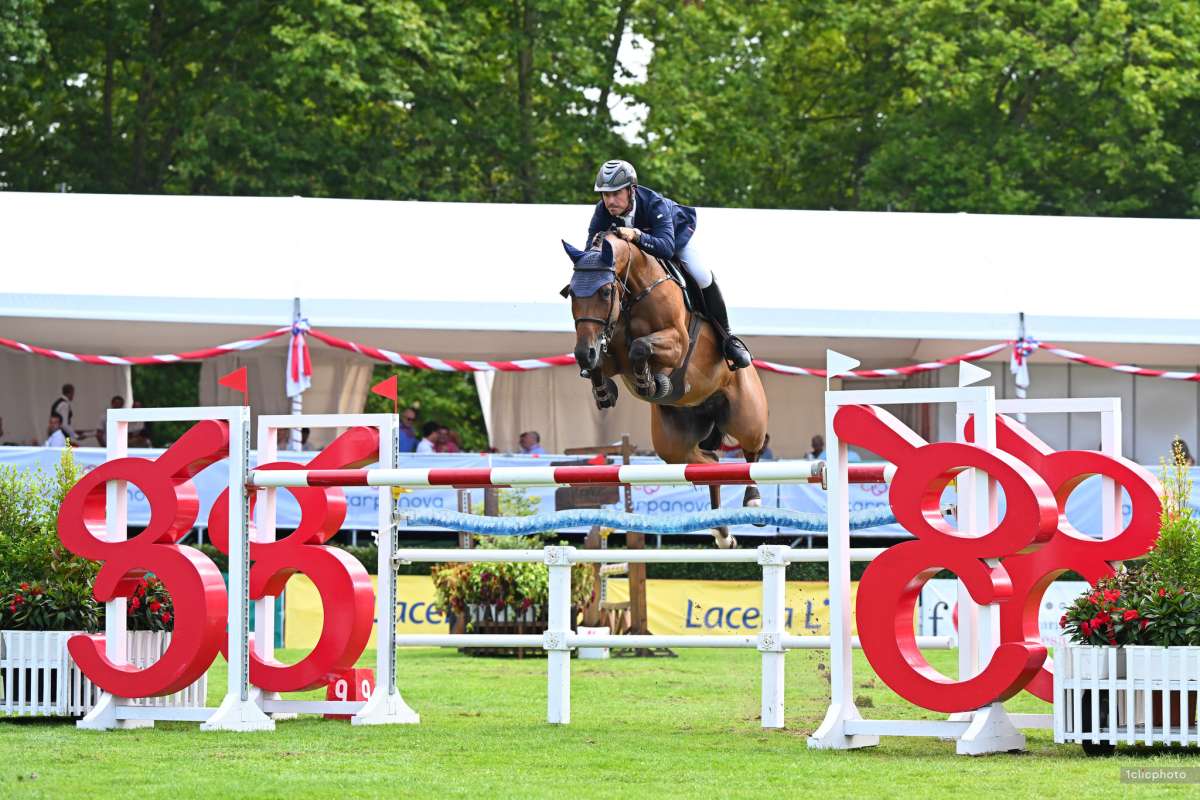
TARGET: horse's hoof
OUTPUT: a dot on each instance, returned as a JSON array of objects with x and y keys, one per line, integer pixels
[
  {"x": 606, "y": 395},
  {"x": 724, "y": 542}
]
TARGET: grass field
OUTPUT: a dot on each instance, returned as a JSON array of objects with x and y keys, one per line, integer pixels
[{"x": 683, "y": 727}]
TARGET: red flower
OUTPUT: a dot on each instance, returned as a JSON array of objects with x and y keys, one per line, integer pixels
[
  {"x": 1162, "y": 592},
  {"x": 166, "y": 616},
  {"x": 12, "y": 607},
  {"x": 24, "y": 587},
  {"x": 1111, "y": 595},
  {"x": 19, "y": 599},
  {"x": 1085, "y": 628},
  {"x": 1101, "y": 618},
  {"x": 36, "y": 591},
  {"x": 155, "y": 605},
  {"x": 1062, "y": 621},
  {"x": 135, "y": 603},
  {"x": 1112, "y": 639},
  {"x": 1145, "y": 622},
  {"x": 1129, "y": 615}
]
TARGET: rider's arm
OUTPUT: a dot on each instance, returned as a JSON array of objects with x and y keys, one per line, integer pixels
[{"x": 660, "y": 239}]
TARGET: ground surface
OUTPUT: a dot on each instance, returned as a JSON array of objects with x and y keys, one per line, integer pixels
[{"x": 683, "y": 727}]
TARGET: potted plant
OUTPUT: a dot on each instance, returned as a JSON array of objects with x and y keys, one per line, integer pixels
[
  {"x": 46, "y": 598},
  {"x": 504, "y": 597},
  {"x": 1143, "y": 622}
]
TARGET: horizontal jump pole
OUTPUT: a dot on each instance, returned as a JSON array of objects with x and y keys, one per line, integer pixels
[
  {"x": 617, "y": 555},
  {"x": 610, "y": 475},
  {"x": 722, "y": 641}
]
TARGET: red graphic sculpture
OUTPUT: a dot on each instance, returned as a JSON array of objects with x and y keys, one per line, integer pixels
[
  {"x": 1032, "y": 573},
  {"x": 347, "y": 597},
  {"x": 190, "y": 577},
  {"x": 893, "y": 580}
]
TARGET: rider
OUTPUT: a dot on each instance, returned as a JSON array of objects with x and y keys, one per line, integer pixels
[{"x": 663, "y": 228}]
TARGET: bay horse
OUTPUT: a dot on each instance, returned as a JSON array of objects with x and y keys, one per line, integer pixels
[{"x": 631, "y": 321}]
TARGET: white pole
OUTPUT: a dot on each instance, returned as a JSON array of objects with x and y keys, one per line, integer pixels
[
  {"x": 238, "y": 712},
  {"x": 555, "y": 640},
  {"x": 770, "y": 640}
]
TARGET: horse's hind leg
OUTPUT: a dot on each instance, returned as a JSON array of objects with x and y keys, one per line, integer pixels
[
  {"x": 676, "y": 436},
  {"x": 747, "y": 422}
]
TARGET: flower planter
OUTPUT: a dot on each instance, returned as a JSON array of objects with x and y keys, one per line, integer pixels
[
  {"x": 39, "y": 678},
  {"x": 1101, "y": 701}
]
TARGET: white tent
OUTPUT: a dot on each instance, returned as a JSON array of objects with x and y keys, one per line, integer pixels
[{"x": 134, "y": 275}]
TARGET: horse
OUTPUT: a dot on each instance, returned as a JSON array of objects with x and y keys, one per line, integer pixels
[{"x": 631, "y": 321}]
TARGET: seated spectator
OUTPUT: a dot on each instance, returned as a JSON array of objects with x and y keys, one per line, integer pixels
[
  {"x": 430, "y": 435},
  {"x": 54, "y": 431},
  {"x": 102, "y": 430},
  {"x": 448, "y": 441},
  {"x": 408, "y": 435},
  {"x": 531, "y": 443}
]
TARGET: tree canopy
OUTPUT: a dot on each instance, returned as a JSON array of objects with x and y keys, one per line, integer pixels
[{"x": 1009, "y": 106}]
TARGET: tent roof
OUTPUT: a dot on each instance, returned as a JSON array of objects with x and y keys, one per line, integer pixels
[{"x": 223, "y": 267}]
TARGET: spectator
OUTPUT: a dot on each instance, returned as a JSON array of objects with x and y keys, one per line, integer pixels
[
  {"x": 62, "y": 407},
  {"x": 766, "y": 454},
  {"x": 531, "y": 443},
  {"x": 430, "y": 435},
  {"x": 1179, "y": 450},
  {"x": 304, "y": 434},
  {"x": 448, "y": 441},
  {"x": 818, "y": 451},
  {"x": 102, "y": 431},
  {"x": 139, "y": 432},
  {"x": 54, "y": 431},
  {"x": 408, "y": 435}
]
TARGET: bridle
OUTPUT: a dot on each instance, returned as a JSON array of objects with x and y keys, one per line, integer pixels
[{"x": 617, "y": 310}]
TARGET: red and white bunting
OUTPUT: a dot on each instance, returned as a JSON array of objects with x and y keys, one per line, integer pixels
[
  {"x": 170, "y": 358},
  {"x": 443, "y": 364},
  {"x": 1129, "y": 369}
]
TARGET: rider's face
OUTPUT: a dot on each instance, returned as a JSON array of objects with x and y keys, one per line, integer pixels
[{"x": 618, "y": 202}]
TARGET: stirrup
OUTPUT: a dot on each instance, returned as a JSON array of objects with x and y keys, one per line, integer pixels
[{"x": 731, "y": 345}]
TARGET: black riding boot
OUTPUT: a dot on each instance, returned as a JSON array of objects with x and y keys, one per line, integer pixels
[{"x": 734, "y": 348}]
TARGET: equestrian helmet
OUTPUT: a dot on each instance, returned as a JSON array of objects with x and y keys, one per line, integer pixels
[{"x": 614, "y": 175}]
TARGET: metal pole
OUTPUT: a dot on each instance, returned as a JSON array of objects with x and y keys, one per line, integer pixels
[{"x": 295, "y": 434}]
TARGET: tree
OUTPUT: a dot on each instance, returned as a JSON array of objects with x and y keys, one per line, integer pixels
[
  {"x": 449, "y": 398},
  {"x": 1012, "y": 106}
]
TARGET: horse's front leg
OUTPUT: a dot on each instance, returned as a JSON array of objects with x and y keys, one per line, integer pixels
[
  {"x": 652, "y": 353},
  {"x": 604, "y": 389}
]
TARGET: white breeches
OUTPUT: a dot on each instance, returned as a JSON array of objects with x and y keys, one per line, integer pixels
[{"x": 696, "y": 262}]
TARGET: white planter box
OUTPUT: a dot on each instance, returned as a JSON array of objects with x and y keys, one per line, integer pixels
[
  {"x": 1150, "y": 698},
  {"x": 592, "y": 653},
  {"x": 40, "y": 679}
]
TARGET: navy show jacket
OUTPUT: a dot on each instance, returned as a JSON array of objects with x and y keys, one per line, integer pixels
[{"x": 666, "y": 226}]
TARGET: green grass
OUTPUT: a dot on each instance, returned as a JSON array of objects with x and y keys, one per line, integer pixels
[{"x": 683, "y": 727}]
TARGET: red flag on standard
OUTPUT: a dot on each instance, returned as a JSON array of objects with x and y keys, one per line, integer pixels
[
  {"x": 390, "y": 389},
  {"x": 236, "y": 380}
]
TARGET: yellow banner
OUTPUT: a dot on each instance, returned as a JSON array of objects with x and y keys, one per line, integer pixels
[{"x": 673, "y": 607}]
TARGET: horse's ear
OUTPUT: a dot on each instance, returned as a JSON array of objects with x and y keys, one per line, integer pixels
[
  {"x": 606, "y": 253},
  {"x": 572, "y": 253}
]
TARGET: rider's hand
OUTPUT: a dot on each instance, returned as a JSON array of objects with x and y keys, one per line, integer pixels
[{"x": 629, "y": 234}]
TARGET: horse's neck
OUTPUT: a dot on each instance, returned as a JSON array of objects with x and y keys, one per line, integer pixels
[{"x": 638, "y": 274}]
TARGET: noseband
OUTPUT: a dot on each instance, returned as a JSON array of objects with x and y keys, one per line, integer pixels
[{"x": 623, "y": 310}]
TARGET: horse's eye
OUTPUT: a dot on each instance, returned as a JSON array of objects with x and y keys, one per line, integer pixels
[{"x": 606, "y": 292}]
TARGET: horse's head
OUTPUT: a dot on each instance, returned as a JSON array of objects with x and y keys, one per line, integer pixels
[{"x": 595, "y": 302}]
